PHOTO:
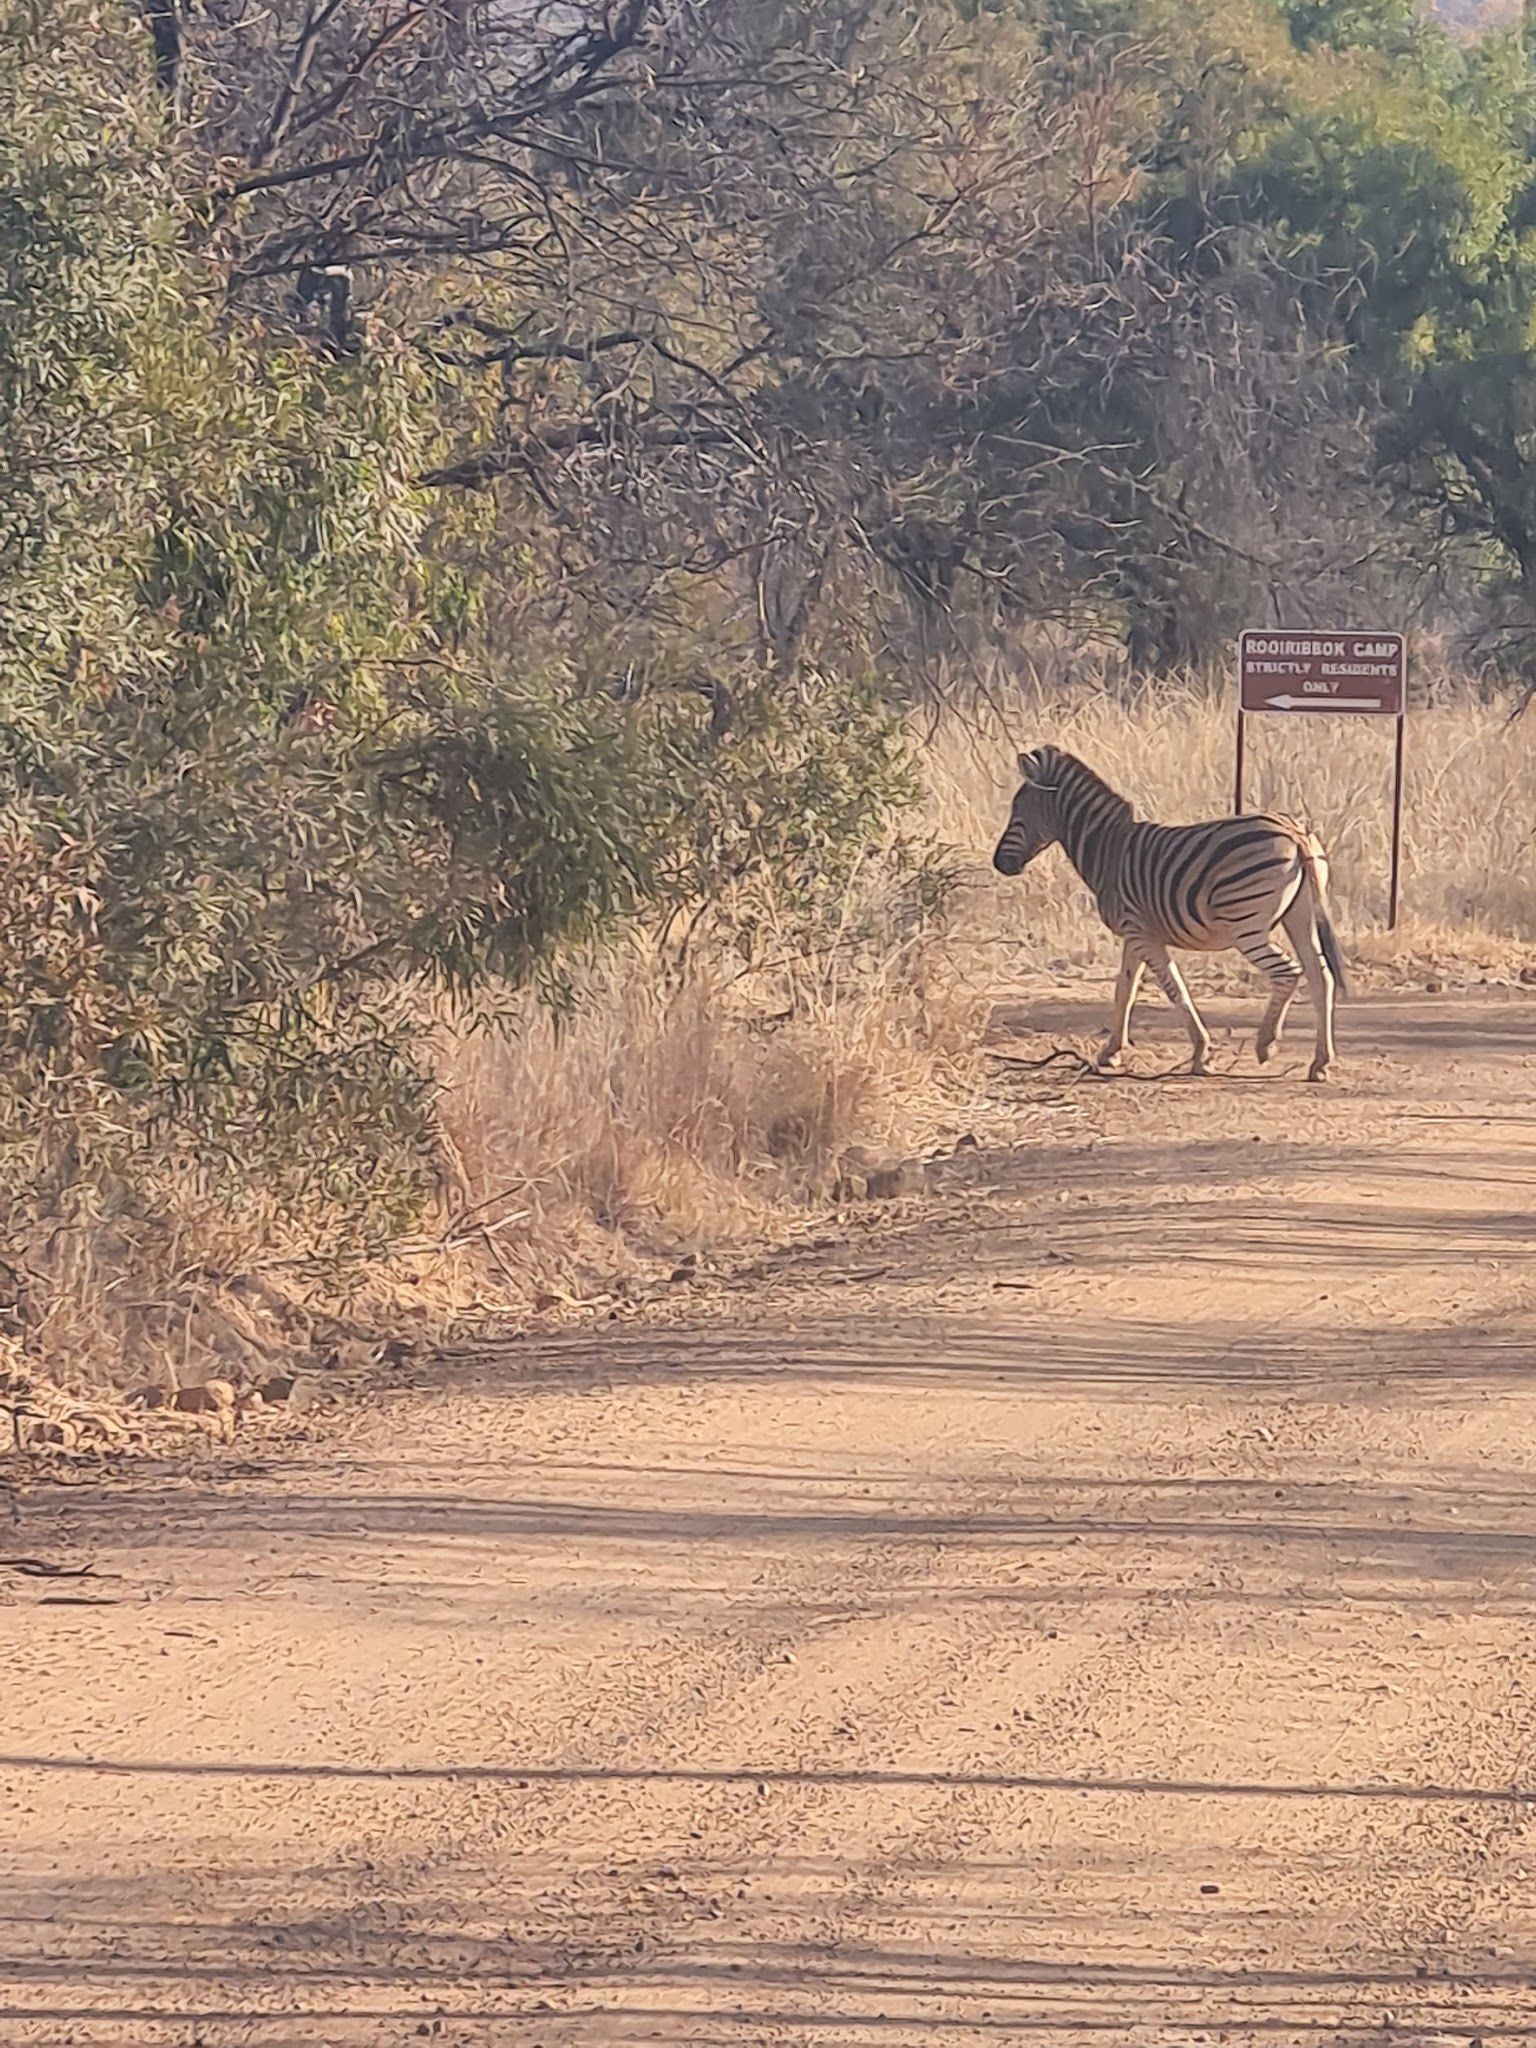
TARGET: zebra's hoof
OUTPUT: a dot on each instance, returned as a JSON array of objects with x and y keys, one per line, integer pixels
[
  {"x": 1318, "y": 1071},
  {"x": 1265, "y": 1051},
  {"x": 1110, "y": 1062},
  {"x": 1200, "y": 1065}
]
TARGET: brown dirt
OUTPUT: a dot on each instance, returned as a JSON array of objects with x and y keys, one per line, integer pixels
[{"x": 1093, "y": 1606}]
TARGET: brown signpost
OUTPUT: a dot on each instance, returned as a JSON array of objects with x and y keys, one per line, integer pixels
[{"x": 1345, "y": 672}]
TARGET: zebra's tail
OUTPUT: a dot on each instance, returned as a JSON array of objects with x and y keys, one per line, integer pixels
[{"x": 1315, "y": 862}]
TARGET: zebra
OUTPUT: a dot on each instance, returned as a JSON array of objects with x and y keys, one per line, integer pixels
[{"x": 1205, "y": 888}]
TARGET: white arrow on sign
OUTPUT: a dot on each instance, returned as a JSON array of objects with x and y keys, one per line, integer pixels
[{"x": 1325, "y": 703}]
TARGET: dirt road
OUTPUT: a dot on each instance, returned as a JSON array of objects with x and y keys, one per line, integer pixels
[{"x": 1094, "y": 1607}]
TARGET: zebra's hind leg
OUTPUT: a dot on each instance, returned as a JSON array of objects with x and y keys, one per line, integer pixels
[
  {"x": 1284, "y": 978},
  {"x": 1132, "y": 968},
  {"x": 1299, "y": 922},
  {"x": 1172, "y": 984}
]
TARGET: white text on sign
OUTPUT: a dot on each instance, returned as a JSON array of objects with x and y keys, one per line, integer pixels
[{"x": 1358, "y": 672}]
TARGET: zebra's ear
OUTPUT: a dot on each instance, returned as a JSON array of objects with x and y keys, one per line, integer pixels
[{"x": 1028, "y": 763}]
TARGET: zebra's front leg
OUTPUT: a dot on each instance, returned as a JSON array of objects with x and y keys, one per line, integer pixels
[
  {"x": 1284, "y": 978},
  {"x": 1173, "y": 986},
  {"x": 1132, "y": 968}
]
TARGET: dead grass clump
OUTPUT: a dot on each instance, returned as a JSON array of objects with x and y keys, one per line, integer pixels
[
  {"x": 671, "y": 1114},
  {"x": 666, "y": 1119},
  {"x": 175, "y": 1293}
]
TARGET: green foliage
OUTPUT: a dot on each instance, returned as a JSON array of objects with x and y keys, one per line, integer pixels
[
  {"x": 262, "y": 773},
  {"x": 1391, "y": 25},
  {"x": 1407, "y": 200},
  {"x": 771, "y": 835},
  {"x": 248, "y": 787}
]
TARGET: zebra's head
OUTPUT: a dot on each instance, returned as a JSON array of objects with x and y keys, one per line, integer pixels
[{"x": 1032, "y": 821}]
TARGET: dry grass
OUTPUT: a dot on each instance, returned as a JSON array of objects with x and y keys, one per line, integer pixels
[
  {"x": 172, "y": 1297},
  {"x": 664, "y": 1120}
]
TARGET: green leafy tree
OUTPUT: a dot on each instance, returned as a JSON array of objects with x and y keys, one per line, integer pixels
[
  {"x": 251, "y": 780},
  {"x": 1406, "y": 201}
]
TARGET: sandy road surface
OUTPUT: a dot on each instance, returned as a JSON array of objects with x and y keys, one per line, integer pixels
[{"x": 1096, "y": 1607}]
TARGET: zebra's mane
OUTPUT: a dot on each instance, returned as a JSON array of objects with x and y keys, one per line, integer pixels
[{"x": 1053, "y": 768}]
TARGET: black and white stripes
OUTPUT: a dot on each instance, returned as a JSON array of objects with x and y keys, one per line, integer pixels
[{"x": 1201, "y": 887}]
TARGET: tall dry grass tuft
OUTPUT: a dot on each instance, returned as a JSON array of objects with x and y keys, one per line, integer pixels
[{"x": 665, "y": 1118}]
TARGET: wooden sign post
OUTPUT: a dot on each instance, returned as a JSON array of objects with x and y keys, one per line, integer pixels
[{"x": 1355, "y": 674}]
